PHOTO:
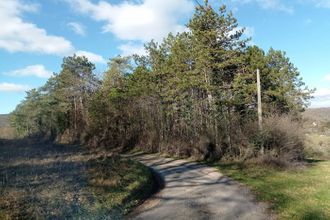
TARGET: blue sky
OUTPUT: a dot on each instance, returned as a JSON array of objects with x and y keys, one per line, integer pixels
[{"x": 35, "y": 35}]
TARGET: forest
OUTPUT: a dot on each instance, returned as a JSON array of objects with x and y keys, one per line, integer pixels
[{"x": 193, "y": 94}]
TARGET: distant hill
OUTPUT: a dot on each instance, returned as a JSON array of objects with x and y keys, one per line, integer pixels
[
  {"x": 317, "y": 121},
  {"x": 6, "y": 132},
  {"x": 317, "y": 128},
  {"x": 318, "y": 114},
  {"x": 4, "y": 120}
]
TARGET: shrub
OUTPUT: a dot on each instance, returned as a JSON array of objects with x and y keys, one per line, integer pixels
[{"x": 281, "y": 137}]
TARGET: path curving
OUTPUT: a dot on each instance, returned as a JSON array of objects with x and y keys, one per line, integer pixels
[{"x": 195, "y": 191}]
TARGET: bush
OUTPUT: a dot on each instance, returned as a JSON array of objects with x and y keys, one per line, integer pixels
[{"x": 281, "y": 138}]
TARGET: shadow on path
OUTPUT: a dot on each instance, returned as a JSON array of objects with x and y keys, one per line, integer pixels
[{"x": 195, "y": 191}]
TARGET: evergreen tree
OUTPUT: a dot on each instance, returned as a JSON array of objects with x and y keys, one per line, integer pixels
[{"x": 192, "y": 93}]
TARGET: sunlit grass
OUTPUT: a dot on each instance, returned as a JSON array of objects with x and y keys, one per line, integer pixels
[{"x": 301, "y": 193}]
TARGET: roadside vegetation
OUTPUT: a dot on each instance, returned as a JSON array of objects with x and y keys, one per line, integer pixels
[
  {"x": 296, "y": 193},
  {"x": 47, "y": 181},
  {"x": 294, "y": 190}
]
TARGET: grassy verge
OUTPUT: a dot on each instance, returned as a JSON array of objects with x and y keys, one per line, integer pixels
[
  {"x": 68, "y": 182},
  {"x": 118, "y": 185},
  {"x": 293, "y": 194}
]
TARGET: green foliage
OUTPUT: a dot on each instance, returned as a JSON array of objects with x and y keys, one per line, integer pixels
[
  {"x": 61, "y": 103},
  {"x": 194, "y": 87},
  {"x": 283, "y": 90}
]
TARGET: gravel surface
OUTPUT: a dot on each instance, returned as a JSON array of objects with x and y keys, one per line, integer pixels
[{"x": 195, "y": 191}]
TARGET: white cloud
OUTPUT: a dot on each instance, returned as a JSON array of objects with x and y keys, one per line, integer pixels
[
  {"x": 95, "y": 58},
  {"x": 321, "y": 98},
  {"x": 137, "y": 20},
  {"x": 269, "y": 4},
  {"x": 327, "y": 77},
  {"x": 320, "y": 103},
  {"x": 33, "y": 70},
  {"x": 16, "y": 35},
  {"x": 132, "y": 48},
  {"x": 322, "y": 3},
  {"x": 77, "y": 28},
  {"x": 322, "y": 92},
  {"x": 12, "y": 87}
]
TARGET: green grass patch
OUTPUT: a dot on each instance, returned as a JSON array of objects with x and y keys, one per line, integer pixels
[{"x": 302, "y": 193}]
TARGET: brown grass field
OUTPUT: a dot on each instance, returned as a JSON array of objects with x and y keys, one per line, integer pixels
[{"x": 47, "y": 181}]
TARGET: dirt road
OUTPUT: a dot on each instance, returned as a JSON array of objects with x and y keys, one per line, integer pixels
[{"x": 195, "y": 191}]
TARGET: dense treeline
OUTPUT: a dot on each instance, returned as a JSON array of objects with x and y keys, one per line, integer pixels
[{"x": 192, "y": 94}]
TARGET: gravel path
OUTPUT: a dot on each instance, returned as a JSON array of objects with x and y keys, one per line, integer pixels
[{"x": 195, "y": 191}]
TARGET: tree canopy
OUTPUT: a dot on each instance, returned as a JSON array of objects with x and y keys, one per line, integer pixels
[{"x": 192, "y": 93}]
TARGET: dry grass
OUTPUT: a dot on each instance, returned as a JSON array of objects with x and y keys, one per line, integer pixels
[
  {"x": 317, "y": 114},
  {"x": 317, "y": 132},
  {"x": 317, "y": 146},
  {"x": 7, "y": 133},
  {"x": 4, "y": 122},
  {"x": 39, "y": 181},
  {"x": 281, "y": 138}
]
